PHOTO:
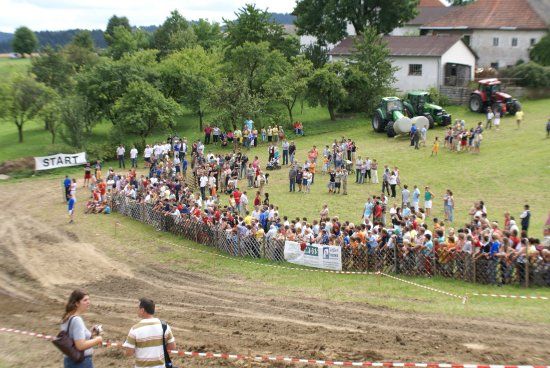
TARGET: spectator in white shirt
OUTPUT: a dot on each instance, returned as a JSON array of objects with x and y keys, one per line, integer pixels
[
  {"x": 120, "y": 155},
  {"x": 133, "y": 156}
]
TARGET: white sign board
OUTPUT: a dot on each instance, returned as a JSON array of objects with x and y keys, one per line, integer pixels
[
  {"x": 59, "y": 160},
  {"x": 328, "y": 257}
]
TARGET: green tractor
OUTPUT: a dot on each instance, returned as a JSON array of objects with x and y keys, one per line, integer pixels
[
  {"x": 389, "y": 117},
  {"x": 419, "y": 103}
]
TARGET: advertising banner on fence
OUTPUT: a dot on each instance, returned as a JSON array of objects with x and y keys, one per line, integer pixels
[
  {"x": 327, "y": 257},
  {"x": 59, "y": 160}
]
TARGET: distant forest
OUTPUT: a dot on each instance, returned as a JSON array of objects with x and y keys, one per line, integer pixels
[{"x": 61, "y": 38}]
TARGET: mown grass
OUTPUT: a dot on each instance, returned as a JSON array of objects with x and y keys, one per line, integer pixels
[{"x": 181, "y": 254}]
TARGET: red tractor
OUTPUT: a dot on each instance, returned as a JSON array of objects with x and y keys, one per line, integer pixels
[{"x": 488, "y": 95}]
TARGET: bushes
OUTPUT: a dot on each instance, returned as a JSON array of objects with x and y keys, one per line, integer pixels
[
  {"x": 438, "y": 98},
  {"x": 530, "y": 75}
]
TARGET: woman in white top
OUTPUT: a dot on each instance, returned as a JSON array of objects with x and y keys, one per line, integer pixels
[
  {"x": 393, "y": 183},
  {"x": 72, "y": 321}
]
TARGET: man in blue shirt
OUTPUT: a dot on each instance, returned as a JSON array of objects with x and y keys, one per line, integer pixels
[
  {"x": 67, "y": 185},
  {"x": 70, "y": 206}
]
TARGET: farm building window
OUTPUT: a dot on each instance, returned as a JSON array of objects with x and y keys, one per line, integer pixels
[
  {"x": 494, "y": 65},
  {"x": 533, "y": 41},
  {"x": 495, "y": 41},
  {"x": 514, "y": 42},
  {"x": 466, "y": 39},
  {"x": 415, "y": 69}
]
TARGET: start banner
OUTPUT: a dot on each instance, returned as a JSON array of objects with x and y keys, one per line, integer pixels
[
  {"x": 327, "y": 257},
  {"x": 59, "y": 160}
]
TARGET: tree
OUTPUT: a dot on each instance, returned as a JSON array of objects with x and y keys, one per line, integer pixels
[
  {"x": 24, "y": 41},
  {"x": 234, "y": 102},
  {"x": 174, "y": 34},
  {"x": 190, "y": 76},
  {"x": 317, "y": 54},
  {"x": 254, "y": 25},
  {"x": 540, "y": 53},
  {"x": 72, "y": 114},
  {"x": 328, "y": 19},
  {"x": 370, "y": 74},
  {"x": 287, "y": 88},
  {"x": 23, "y": 98},
  {"x": 114, "y": 22},
  {"x": 54, "y": 70},
  {"x": 108, "y": 80},
  {"x": 209, "y": 35},
  {"x": 144, "y": 109},
  {"x": 255, "y": 64},
  {"x": 83, "y": 39},
  {"x": 122, "y": 42},
  {"x": 51, "y": 114},
  {"x": 326, "y": 87}
]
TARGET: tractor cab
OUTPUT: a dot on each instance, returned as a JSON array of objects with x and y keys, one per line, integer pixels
[
  {"x": 391, "y": 104},
  {"x": 417, "y": 101},
  {"x": 489, "y": 88}
]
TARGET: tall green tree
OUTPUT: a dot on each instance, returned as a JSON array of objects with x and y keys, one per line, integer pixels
[
  {"x": 370, "y": 74},
  {"x": 540, "y": 53},
  {"x": 83, "y": 39},
  {"x": 255, "y": 64},
  {"x": 51, "y": 114},
  {"x": 72, "y": 115},
  {"x": 174, "y": 34},
  {"x": 190, "y": 76},
  {"x": 54, "y": 70},
  {"x": 22, "y": 100},
  {"x": 255, "y": 25},
  {"x": 326, "y": 87},
  {"x": 290, "y": 87},
  {"x": 107, "y": 81},
  {"x": 328, "y": 19},
  {"x": 24, "y": 41},
  {"x": 122, "y": 42},
  {"x": 234, "y": 102},
  {"x": 143, "y": 109},
  {"x": 113, "y": 23},
  {"x": 317, "y": 54},
  {"x": 209, "y": 35}
]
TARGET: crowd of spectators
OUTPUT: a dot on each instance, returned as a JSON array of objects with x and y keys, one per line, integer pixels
[{"x": 498, "y": 250}]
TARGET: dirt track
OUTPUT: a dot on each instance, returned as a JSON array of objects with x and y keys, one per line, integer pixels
[{"x": 42, "y": 258}]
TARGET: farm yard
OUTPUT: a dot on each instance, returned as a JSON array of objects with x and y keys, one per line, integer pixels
[{"x": 252, "y": 261}]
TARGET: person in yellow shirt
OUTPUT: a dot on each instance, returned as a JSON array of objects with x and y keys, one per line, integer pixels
[
  {"x": 519, "y": 117},
  {"x": 248, "y": 218},
  {"x": 312, "y": 171}
]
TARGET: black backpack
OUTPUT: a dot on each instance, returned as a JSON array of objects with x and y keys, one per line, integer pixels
[{"x": 167, "y": 360}]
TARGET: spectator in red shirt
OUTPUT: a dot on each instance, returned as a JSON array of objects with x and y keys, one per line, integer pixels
[{"x": 207, "y": 134}]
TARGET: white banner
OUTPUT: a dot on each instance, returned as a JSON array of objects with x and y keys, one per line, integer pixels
[
  {"x": 328, "y": 257},
  {"x": 59, "y": 160}
]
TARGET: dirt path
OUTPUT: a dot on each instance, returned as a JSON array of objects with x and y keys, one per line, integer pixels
[{"x": 42, "y": 259}]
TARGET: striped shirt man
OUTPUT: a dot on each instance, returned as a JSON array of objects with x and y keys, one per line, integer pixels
[{"x": 145, "y": 340}]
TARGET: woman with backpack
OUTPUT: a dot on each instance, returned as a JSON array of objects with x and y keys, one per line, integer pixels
[{"x": 73, "y": 324}]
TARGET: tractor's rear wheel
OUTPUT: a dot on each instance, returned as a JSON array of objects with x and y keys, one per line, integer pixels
[
  {"x": 378, "y": 123},
  {"x": 390, "y": 131},
  {"x": 476, "y": 104}
]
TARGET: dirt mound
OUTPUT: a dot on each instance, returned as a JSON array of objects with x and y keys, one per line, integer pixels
[{"x": 25, "y": 163}]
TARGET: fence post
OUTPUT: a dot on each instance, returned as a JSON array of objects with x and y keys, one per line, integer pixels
[
  {"x": 527, "y": 264},
  {"x": 474, "y": 267},
  {"x": 395, "y": 259}
]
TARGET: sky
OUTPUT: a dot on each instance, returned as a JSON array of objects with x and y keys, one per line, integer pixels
[{"x": 53, "y": 15}]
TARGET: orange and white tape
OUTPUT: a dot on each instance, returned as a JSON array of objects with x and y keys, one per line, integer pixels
[
  {"x": 513, "y": 296},
  {"x": 280, "y": 358}
]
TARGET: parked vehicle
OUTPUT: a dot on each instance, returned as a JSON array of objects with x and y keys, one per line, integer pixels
[
  {"x": 389, "y": 117},
  {"x": 419, "y": 103},
  {"x": 488, "y": 95}
]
